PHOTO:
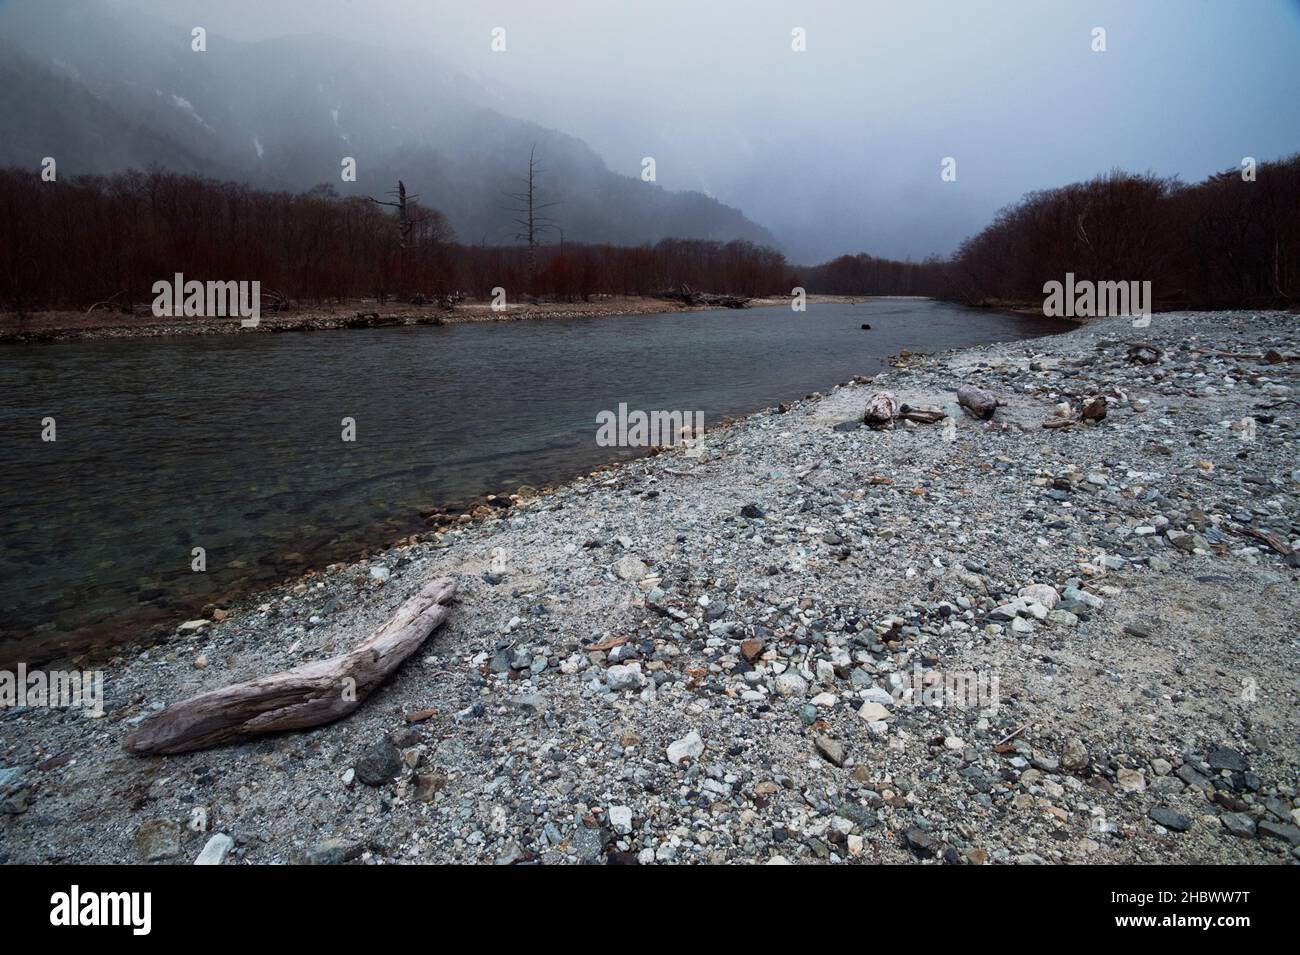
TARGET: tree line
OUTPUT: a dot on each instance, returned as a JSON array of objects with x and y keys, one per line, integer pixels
[
  {"x": 106, "y": 240},
  {"x": 1232, "y": 240}
]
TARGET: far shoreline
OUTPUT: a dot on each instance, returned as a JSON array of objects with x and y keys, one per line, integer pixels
[
  {"x": 61, "y": 326},
  {"x": 69, "y": 326}
]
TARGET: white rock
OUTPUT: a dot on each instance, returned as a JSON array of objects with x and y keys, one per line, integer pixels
[
  {"x": 873, "y": 712},
  {"x": 689, "y": 746},
  {"x": 620, "y": 819},
  {"x": 215, "y": 852},
  {"x": 876, "y": 695},
  {"x": 630, "y": 567},
  {"x": 625, "y": 676},
  {"x": 790, "y": 684}
]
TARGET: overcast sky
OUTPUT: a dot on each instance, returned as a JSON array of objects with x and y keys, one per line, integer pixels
[{"x": 838, "y": 148}]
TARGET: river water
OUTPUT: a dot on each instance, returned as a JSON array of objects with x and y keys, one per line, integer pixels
[{"x": 234, "y": 443}]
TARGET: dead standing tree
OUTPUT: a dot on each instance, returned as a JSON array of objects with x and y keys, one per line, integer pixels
[
  {"x": 528, "y": 215},
  {"x": 404, "y": 223}
]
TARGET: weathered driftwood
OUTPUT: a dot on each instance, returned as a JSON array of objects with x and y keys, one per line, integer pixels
[
  {"x": 977, "y": 402},
  {"x": 308, "y": 695},
  {"x": 1144, "y": 353},
  {"x": 921, "y": 415},
  {"x": 1272, "y": 356},
  {"x": 1094, "y": 409},
  {"x": 1269, "y": 538},
  {"x": 690, "y": 296},
  {"x": 881, "y": 409}
]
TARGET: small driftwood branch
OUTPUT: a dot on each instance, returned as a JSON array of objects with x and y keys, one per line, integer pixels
[
  {"x": 305, "y": 696},
  {"x": 1269, "y": 538},
  {"x": 1271, "y": 357}
]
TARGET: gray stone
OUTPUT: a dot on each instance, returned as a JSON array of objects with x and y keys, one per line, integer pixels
[
  {"x": 1279, "y": 830},
  {"x": 1239, "y": 824},
  {"x": 625, "y": 677},
  {"x": 630, "y": 567},
  {"x": 1223, "y": 758},
  {"x": 215, "y": 852},
  {"x": 920, "y": 841},
  {"x": 620, "y": 819},
  {"x": 1170, "y": 819},
  {"x": 380, "y": 764},
  {"x": 329, "y": 852},
  {"x": 831, "y": 750},
  {"x": 1074, "y": 755},
  {"x": 158, "y": 839}
]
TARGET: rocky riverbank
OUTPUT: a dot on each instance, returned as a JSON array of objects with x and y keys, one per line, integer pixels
[{"x": 969, "y": 641}]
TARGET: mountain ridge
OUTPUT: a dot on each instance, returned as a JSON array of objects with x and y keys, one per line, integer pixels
[{"x": 101, "y": 93}]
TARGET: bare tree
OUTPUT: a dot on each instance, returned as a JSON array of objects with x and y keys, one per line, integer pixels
[
  {"x": 529, "y": 215},
  {"x": 405, "y": 222}
]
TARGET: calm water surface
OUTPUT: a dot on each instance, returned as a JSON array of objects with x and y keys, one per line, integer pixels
[{"x": 233, "y": 443}]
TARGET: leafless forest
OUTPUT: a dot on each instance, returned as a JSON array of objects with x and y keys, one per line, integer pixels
[
  {"x": 1225, "y": 242},
  {"x": 1222, "y": 243}
]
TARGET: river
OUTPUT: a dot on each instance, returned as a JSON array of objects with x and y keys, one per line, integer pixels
[{"x": 235, "y": 443}]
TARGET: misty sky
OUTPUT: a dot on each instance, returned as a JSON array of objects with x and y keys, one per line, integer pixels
[{"x": 838, "y": 149}]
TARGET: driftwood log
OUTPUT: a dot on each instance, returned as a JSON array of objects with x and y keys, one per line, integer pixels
[
  {"x": 307, "y": 695},
  {"x": 689, "y": 296},
  {"x": 881, "y": 409},
  {"x": 977, "y": 402}
]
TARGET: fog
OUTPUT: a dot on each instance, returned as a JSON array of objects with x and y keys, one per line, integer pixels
[{"x": 838, "y": 148}]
